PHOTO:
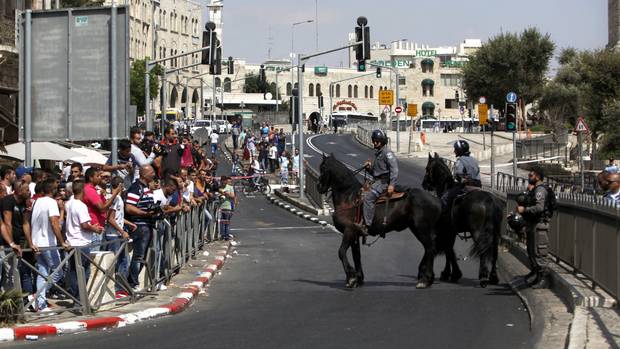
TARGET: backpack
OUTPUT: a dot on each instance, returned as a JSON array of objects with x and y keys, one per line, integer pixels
[{"x": 551, "y": 202}]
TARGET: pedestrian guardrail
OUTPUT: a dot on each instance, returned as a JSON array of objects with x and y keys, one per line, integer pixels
[
  {"x": 311, "y": 185},
  {"x": 175, "y": 241}
]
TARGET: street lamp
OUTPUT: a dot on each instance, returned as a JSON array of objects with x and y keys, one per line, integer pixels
[{"x": 292, "y": 64}]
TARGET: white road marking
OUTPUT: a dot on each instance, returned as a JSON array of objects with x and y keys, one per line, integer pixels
[{"x": 274, "y": 228}]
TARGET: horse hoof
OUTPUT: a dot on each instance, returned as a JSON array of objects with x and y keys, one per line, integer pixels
[
  {"x": 421, "y": 285},
  {"x": 445, "y": 277},
  {"x": 351, "y": 283},
  {"x": 484, "y": 282}
]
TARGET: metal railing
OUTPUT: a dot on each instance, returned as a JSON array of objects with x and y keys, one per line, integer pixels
[
  {"x": 311, "y": 185},
  {"x": 175, "y": 240}
]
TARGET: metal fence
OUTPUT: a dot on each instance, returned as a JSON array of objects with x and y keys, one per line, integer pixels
[
  {"x": 175, "y": 241},
  {"x": 539, "y": 149},
  {"x": 311, "y": 185}
]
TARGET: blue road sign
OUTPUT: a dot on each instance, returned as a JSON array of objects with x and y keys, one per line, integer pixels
[{"x": 511, "y": 97}]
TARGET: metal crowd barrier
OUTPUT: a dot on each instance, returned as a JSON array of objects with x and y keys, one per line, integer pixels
[
  {"x": 311, "y": 185},
  {"x": 175, "y": 241}
]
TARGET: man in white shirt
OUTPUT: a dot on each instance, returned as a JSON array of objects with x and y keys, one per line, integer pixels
[
  {"x": 140, "y": 159},
  {"x": 273, "y": 157},
  {"x": 46, "y": 232},
  {"x": 80, "y": 233},
  {"x": 214, "y": 140}
]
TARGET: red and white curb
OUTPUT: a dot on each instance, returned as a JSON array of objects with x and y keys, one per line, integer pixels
[{"x": 179, "y": 303}]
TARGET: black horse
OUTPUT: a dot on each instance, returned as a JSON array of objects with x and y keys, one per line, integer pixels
[
  {"x": 418, "y": 211},
  {"x": 477, "y": 212}
]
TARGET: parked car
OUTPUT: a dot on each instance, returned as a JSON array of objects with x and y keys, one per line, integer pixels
[
  {"x": 222, "y": 126},
  {"x": 202, "y": 124}
]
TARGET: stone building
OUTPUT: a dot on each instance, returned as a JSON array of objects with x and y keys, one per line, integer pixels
[{"x": 613, "y": 23}]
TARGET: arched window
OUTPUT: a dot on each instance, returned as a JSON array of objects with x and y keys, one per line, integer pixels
[
  {"x": 428, "y": 87},
  {"x": 366, "y": 91},
  {"x": 372, "y": 92},
  {"x": 311, "y": 90},
  {"x": 427, "y": 65},
  {"x": 218, "y": 82},
  {"x": 227, "y": 85},
  {"x": 318, "y": 90},
  {"x": 338, "y": 90},
  {"x": 289, "y": 89},
  {"x": 331, "y": 90},
  {"x": 350, "y": 91},
  {"x": 355, "y": 94}
]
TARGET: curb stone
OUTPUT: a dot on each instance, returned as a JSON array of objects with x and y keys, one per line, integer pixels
[{"x": 179, "y": 303}]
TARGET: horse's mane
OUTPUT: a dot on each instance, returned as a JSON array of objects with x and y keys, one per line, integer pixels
[{"x": 345, "y": 179}]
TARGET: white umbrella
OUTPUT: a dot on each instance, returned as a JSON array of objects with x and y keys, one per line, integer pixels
[
  {"x": 40, "y": 151},
  {"x": 89, "y": 156}
]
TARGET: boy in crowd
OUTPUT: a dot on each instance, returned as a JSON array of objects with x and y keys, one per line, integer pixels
[{"x": 226, "y": 207}]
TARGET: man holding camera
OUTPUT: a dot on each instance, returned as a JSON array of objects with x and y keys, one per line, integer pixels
[
  {"x": 537, "y": 214},
  {"x": 140, "y": 210}
]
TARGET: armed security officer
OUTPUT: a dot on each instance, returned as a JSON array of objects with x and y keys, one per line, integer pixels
[
  {"x": 385, "y": 173},
  {"x": 466, "y": 172},
  {"x": 537, "y": 218}
]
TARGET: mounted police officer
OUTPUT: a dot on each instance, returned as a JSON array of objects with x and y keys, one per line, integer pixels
[
  {"x": 384, "y": 171},
  {"x": 466, "y": 172},
  {"x": 537, "y": 216}
]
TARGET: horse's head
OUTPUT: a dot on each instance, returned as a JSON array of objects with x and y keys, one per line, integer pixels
[
  {"x": 325, "y": 174},
  {"x": 437, "y": 174}
]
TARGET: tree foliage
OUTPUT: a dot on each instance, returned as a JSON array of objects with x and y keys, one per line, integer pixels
[
  {"x": 136, "y": 85},
  {"x": 81, "y": 3},
  {"x": 593, "y": 77},
  {"x": 509, "y": 62},
  {"x": 253, "y": 84}
]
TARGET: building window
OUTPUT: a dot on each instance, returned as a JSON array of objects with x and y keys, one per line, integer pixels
[
  {"x": 311, "y": 90},
  {"x": 338, "y": 90},
  {"x": 350, "y": 91},
  {"x": 218, "y": 82},
  {"x": 450, "y": 79},
  {"x": 289, "y": 89},
  {"x": 428, "y": 87},
  {"x": 318, "y": 90},
  {"x": 428, "y": 109},
  {"x": 402, "y": 81},
  {"x": 366, "y": 91},
  {"x": 355, "y": 94},
  {"x": 452, "y": 104},
  {"x": 427, "y": 65},
  {"x": 372, "y": 92},
  {"x": 227, "y": 85}
]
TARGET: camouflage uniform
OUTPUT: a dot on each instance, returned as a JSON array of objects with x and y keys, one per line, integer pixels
[
  {"x": 537, "y": 230},
  {"x": 385, "y": 173}
]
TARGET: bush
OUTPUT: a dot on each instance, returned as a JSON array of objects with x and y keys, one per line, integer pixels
[{"x": 10, "y": 304}]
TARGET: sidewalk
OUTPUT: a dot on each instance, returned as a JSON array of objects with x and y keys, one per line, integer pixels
[{"x": 191, "y": 283}]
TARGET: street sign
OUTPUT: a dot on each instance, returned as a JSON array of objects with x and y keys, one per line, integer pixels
[
  {"x": 581, "y": 125},
  {"x": 483, "y": 114},
  {"x": 482, "y": 100},
  {"x": 412, "y": 110},
  {"x": 386, "y": 110},
  {"x": 511, "y": 97},
  {"x": 398, "y": 109},
  {"x": 462, "y": 110},
  {"x": 386, "y": 97}
]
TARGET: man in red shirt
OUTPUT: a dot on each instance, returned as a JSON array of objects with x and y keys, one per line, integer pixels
[{"x": 95, "y": 201}]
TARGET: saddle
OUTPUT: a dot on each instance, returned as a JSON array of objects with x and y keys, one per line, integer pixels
[
  {"x": 395, "y": 196},
  {"x": 465, "y": 191}
]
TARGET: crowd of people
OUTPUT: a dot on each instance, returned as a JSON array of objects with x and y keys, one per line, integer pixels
[
  {"x": 266, "y": 152},
  {"x": 49, "y": 213}
]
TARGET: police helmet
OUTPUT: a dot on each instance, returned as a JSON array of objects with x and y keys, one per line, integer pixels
[
  {"x": 461, "y": 147},
  {"x": 379, "y": 136},
  {"x": 523, "y": 199},
  {"x": 515, "y": 221}
]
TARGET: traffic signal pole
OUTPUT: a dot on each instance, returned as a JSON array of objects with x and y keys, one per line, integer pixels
[{"x": 395, "y": 70}]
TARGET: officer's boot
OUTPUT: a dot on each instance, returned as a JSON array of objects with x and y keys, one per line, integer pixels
[{"x": 541, "y": 281}]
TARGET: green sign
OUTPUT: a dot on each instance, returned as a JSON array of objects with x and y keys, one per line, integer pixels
[
  {"x": 426, "y": 53},
  {"x": 320, "y": 70},
  {"x": 81, "y": 21},
  {"x": 395, "y": 64},
  {"x": 452, "y": 64}
]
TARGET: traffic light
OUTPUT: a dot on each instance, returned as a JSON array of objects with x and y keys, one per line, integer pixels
[
  {"x": 378, "y": 72},
  {"x": 456, "y": 95},
  {"x": 362, "y": 50},
  {"x": 215, "y": 66},
  {"x": 208, "y": 36},
  {"x": 231, "y": 66},
  {"x": 261, "y": 73},
  {"x": 320, "y": 101},
  {"x": 218, "y": 60},
  {"x": 511, "y": 117},
  {"x": 293, "y": 107},
  {"x": 361, "y": 66}
]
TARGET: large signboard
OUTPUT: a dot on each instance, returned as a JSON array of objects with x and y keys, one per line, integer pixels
[
  {"x": 71, "y": 78},
  {"x": 386, "y": 97}
]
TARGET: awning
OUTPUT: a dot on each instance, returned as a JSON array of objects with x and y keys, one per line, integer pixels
[
  {"x": 428, "y": 105},
  {"x": 89, "y": 156},
  {"x": 427, "y": 61},
  {"x": 40, "y": 151},
  {"x": 428, "y": 82}
]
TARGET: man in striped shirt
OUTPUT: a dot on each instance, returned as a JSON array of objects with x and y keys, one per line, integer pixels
[{"x": 139, "y": 210}]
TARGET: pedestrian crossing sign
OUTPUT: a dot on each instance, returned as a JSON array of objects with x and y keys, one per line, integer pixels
[{"x": 581, "y": 125}]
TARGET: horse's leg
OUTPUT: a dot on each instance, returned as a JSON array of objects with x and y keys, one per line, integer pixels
[
  {"x": 484, "y": 240},
  {"x": 342, "y": 254},
  {"x": 425, "y": 269},
  {"x": 493, "y": 278},
  {"x": 357, "y": 260},
  {"x": 451, "y": 257}
]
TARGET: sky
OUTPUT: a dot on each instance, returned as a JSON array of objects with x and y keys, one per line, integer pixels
[{"x": 254, "y": 29}]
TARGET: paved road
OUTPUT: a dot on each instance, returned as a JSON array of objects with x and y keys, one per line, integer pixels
[{"x": 284, "y": 289}]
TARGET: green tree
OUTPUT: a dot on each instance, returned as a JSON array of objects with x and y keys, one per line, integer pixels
[
  {"x": 509, "y": 62},
  {"x": 136, "y": 84},
  {"x": 81, "y": 3},
  {"x": 253, "y": 84}
]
